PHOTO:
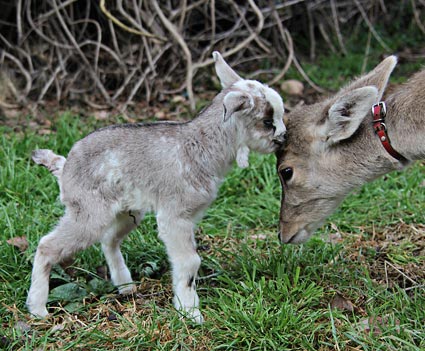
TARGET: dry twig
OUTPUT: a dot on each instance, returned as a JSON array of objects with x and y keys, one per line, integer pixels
[{"x": 109, "y": 54}]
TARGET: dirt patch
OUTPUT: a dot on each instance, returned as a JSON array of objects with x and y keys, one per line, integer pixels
[
  {"x": 395, "y": 255},
  {"x": 172, "y": 107}
]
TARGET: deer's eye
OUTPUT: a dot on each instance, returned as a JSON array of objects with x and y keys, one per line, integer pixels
[
  {"x": 286, "y": 173},
  {"x": 268, "y": 123}
]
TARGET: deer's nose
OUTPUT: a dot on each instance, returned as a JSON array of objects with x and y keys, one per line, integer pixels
[{"x": 283, "y": 240}]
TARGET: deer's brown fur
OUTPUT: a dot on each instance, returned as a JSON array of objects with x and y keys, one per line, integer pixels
[{"x": 332, "y": 147}]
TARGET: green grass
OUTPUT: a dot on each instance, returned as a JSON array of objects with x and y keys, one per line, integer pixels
[
  {"x": 258, "y": 295},
  {"x": 255, "y": 294}
]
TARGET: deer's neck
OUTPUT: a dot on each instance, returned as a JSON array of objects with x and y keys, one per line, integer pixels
[{"x": 405, "y": 118}]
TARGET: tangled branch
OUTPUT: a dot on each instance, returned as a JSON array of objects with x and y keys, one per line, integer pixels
[{"x": 110, "y": 54}]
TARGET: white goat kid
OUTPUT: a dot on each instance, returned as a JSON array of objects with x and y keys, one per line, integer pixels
[{"x": 113, "y": 176}]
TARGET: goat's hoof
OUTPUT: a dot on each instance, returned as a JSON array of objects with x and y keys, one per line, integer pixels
[
  {"x": 243, "y": 164},
  {"x": 40, "y": 312},
  {"x": 193, "y": 314},
  {"x": 127, "y": 289},
  {"x": 198, "y": 319}
]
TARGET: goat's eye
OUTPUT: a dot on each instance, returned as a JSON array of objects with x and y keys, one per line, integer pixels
[
  {"x": 268, "y": 123},
  {"x": 287, "y": 173}
]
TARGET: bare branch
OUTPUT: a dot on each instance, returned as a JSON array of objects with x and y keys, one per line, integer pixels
[
  {"x": 120, "y": 50},
  {"x": 416, "y": 15},
  {"x": 123, "y": 26},
  {"x": 371, "y": 28},
  {"x": 186, "y": 51},
  {"x": 243, "y": 43},
  {"x": 83, "y": 57}
]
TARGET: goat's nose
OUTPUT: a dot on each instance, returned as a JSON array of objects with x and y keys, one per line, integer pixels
[
  {"x": 279, "y": 139},
  {"x": 279, "y": 236}
]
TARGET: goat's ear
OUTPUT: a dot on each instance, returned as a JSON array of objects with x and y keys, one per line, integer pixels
[
  {"x": 235, "y": 101},
  {"x": 347, "y": 112},
  {"x": 378, "y": 77},
  {"x": 224, "y": 72}
]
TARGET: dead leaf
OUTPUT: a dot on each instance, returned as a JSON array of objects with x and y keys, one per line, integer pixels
[
  {"x": 258, "y": 237},
  {"x": 44, "y": 131},
  {"x": 160, "y": 115},
  {"x": 101, "y": 115},
  {"x": 341, "y": 303},
  {"x": 12, "y": 113},
  {"x": 112, "y": 317},
  {"x": 22, "y": 327},
  {"x": 178, "y": 99},
  {"x": 376, "y": 325},
  {"x": 4, "y": 342},
  {"x": 58, "y": 327},
  {"x": 20, "y": 242},
  {"x": 334, "y": 237},
  {"x": 292, "y": 87},
  {"x": 102, "y": 271}
]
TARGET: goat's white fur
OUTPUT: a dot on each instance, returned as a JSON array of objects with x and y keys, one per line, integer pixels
[
  {"x": 113, "y": 176},
  {"x": 276, "y": 101},
  {"x": 228, "y": 77},
  {"x": 54, "y": 163}
]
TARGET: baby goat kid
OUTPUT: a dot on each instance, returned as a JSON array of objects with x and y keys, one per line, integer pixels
[{"x": 116, "y": 174}]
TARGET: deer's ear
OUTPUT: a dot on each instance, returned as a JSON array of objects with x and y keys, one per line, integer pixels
[
  {"x": 347, "y": 113},
  {"x": 378, "y": 77}
]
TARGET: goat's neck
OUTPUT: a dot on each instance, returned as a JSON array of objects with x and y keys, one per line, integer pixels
[
  {"x": 405, "y": 118},
  {"x": 219, "y": 140}
]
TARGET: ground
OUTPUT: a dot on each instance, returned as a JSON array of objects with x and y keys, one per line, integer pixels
[{"x": 357, "y": 285}]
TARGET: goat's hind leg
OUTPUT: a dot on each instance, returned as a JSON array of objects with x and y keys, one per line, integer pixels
[
  {"x": 111, "y": 241},
  {"x": 178, "y": 237},
  {"x": 64, "y": 241}
]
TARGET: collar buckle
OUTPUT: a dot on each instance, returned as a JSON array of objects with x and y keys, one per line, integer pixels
[
  {"x": 382, "y": 111},
  {"x": 379, "y": 111}
]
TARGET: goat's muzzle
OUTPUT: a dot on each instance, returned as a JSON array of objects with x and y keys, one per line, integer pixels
[{"x": 279, "y": 139}]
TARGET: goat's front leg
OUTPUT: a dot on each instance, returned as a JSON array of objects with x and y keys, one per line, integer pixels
[
  {"x": 242, "y": 157},
  {"x": 178, "y": 237}
]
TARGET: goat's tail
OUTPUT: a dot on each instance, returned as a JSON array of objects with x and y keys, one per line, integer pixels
[{"x": 47, "y": 158}]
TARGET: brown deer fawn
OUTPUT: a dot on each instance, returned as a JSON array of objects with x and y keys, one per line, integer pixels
[{"x": 339, "y": 144}]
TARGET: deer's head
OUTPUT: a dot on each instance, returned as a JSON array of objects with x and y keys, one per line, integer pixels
[{"x": 330, "y": 151}]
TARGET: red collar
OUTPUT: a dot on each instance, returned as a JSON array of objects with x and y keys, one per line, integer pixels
[{"x": 379, "y": 111}]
